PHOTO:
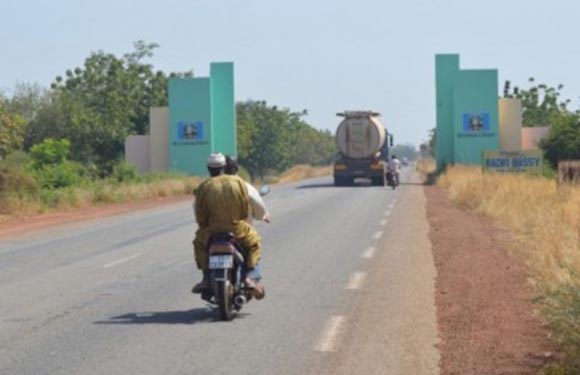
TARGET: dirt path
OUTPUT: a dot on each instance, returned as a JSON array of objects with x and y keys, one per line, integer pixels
[{"x": 486, "y": 319}]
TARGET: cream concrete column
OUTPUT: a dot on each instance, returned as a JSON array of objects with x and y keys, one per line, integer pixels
[
  {"x": 159, "y": 138},
  {"x": 510, "y": 124}
]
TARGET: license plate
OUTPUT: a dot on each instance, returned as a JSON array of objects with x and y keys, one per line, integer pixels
[{"x": 221, "y": 261}]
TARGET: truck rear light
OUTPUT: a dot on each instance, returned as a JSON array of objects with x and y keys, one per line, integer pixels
[
  {"x": 376, "y": 166},
  {"x": 340, "y": 167}
]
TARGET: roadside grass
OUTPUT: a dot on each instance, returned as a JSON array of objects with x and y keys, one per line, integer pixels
[
  {"x": 20, "y": 195},
  {"x": 16, "y": 203},
  {"x": 545, "y": 218},
  {"x": 302, "y": 172},
  {"x": 426, "y": 168}
]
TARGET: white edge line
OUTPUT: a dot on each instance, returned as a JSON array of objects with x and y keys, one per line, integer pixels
[
  {"x": 120, "y": 261},
  {"x": 329, "y": 336},
  {"x": 356, "y": 281},
  {"x": 383, "y": 222},
  {"x": 378, "y": 235},
  {"x": 369, "y": 253}
]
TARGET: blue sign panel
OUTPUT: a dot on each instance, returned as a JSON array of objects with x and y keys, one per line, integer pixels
[
  {"x": 190, "y": 131},
  {"x": 476, "y": 122}
]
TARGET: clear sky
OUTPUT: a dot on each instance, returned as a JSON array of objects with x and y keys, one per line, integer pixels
[{"x": 322, "y": 55}]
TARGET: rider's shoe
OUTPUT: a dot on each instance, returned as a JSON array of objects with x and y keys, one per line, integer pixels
[
  {"x": 258, "y": 290},
  {"x": 203, "y": 285}
]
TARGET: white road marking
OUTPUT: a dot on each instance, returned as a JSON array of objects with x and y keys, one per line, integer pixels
[
  {"x": 356, "y": 281},
  {"x": 121, "y": 261},
  {"x": 329, "y": 336},
  {"x": 383, "y": 222},
  {"x": 387, "y": 212},
  {"x": 369, "y": 253},
  {"x": 377, "y": 235}
]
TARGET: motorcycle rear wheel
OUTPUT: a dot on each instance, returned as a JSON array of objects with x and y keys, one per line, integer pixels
[{"x": 225, "y": 301}]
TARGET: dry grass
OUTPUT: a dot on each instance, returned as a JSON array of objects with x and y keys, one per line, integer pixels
[
  {"x": 545, "y": 218},
  {"x": 302, "y": 172},
  {"x": 94, "y": 194},
  {"x": 426, "y": 168}
]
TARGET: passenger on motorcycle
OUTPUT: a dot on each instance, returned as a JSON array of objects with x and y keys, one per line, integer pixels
[
  {"x": 222, "y": 205},
  {"x": 395, "y": 167}
]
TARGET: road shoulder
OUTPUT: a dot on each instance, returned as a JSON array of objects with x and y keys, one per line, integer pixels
[{"x": 487, "y": 322}]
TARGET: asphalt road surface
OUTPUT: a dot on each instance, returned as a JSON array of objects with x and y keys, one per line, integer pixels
[{"x": 348, "y": 271}]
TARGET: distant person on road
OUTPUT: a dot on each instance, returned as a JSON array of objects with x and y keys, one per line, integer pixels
[
  {"x": 395, "y": 167},
  {"x": 222, "y": 205}
]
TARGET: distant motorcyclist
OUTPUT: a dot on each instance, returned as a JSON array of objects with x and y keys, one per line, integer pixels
[
  {"x": 222, "y": 205},
  {"x": 394, "y": 167}
]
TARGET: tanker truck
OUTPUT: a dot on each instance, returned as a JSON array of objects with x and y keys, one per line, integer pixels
[{"x": 363, "y": 143}]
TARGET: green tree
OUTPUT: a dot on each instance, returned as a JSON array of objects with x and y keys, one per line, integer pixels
[
  {"x": 11, "y": 131},
  {"x": 107, "y": 100},
  {"x": 563, "y": 141},
  {"x": 543, "y": 105},
  {"x": 41, "y": 110},
  {"x": 539, "y": 102},
  {"x": 271, "y": 139},
  {"x": 50, "y": 166}
]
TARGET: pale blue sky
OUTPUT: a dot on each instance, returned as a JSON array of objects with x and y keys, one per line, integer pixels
[{"x": 325, "y": 56}]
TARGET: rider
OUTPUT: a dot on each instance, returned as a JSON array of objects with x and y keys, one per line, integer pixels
[
  {"x": 395, "y": 168},
  {"x": 222, "y": 205},
  {"x": 258, "y": 210}
]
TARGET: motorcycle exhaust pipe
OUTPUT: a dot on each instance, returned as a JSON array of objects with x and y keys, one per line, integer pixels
[{"x": 240, "y": 300}]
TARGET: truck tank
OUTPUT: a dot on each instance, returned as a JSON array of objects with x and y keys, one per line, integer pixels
[{"x": 360, "y": 135}]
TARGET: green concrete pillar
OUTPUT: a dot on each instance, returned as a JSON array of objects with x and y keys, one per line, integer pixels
[
  {"x": 190, "y": 125},
  {"x": 446, "y": 66},
  {"x": 223, "y": 108},
  {"x": 475, "y": 118}
]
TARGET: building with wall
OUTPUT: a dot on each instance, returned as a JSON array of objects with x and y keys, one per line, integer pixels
[
  {"x": 200, "y": 119},
  {"x": 470, "y": 117}
]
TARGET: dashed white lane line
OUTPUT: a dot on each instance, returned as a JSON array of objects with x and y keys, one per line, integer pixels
[
  {"x": 369, "y": 253},
  {"x": 383, "y": 222},
  {"x": 121, "y": 261},
  {"x": 329, "y": 337},
  {"x": 387, "y": 212},
  {"x": 377, "y": 235},
  {"x": 356, "y": 281}
]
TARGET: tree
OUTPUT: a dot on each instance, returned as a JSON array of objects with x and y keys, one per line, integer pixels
[
  {"x": 41, "y": 110},
  {"x": 11, "y": 131},
  {"x": 542, "y": 105},
  {"x": 563, "y": 141},
  {"x": 107, "y": 100},
  {"x": 272, "y": 139},
  {"x": 539, "y": 103}
]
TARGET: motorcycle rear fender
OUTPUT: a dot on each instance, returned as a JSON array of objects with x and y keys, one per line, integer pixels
[{"x": 221, "y": 248}]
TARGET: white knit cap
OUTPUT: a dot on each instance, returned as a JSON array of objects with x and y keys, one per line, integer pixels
[{"x": 216, "y": 160}]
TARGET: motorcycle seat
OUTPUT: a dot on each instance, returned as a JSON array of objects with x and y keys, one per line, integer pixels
[{"x": 223, "y": 237}]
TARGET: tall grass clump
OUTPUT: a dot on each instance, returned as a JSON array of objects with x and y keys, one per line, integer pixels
[{"x": 546, "y": 220}]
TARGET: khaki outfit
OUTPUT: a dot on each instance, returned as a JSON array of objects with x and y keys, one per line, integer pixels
[{"x": 222, "y": 206}]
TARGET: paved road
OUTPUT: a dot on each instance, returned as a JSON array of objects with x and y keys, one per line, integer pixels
[{"x": 350, "y": 290}]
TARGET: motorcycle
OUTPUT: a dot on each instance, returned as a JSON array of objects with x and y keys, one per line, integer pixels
[
  {"x": 392, "y": 180},
  {"x": 230, "y": 289}
]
